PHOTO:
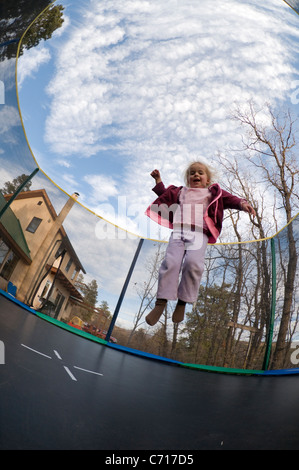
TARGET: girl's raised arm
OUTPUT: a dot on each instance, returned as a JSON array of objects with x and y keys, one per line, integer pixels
[{"x": 156, "y": 175}]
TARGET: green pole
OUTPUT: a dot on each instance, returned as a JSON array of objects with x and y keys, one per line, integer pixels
[
  {"x": 4, "y": 208},
  {"x": 273, "y": 306},
  {"x": 122, "y": 295}
]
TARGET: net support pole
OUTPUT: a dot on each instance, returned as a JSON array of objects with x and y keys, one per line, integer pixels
[
  {"x": 123, "y": 292},
  {"x": 273, "y": 306},
  {"x": 4, "y": 208}
]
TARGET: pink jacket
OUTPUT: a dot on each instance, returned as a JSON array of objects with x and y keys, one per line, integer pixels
[{"x": 163, "y": 208}]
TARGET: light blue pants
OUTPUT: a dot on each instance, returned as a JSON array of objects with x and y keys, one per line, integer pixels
[{"x": 186, "y": 259}]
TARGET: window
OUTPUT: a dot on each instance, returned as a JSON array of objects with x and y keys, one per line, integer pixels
[
  {"x": 58, "y": 303},
  {"x": 9, "y": 265},
  {"x": 3, "y": 251},
  {"x": 8, "y": 260},
  {"x": 67, "y": 268},
  {"x": 34, "y": 224},
  {"x": 46, "y": 289},
  {"x": 74, "y": 274}
]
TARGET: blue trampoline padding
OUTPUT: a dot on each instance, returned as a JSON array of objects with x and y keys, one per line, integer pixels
[
  {"x": 141, "y": 353},
  {"x": 16, "y": 301},
  {"x": 136, "y": 352},
  {"x": 282, "y": 371}
]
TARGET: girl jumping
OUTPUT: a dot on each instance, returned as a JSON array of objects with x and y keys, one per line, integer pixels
[{"x": 195, "y": 213}]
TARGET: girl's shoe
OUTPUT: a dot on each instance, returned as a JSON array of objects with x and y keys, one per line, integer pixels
[
  {"x": 179, "y": 312},
  {"x": 154, "y": 316}
]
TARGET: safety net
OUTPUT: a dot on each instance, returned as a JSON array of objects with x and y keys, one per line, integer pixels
[
  {"x": 237, "y": 320},
  {"x": 95, "y": 278},
  {"x": 294, "y": 4}
]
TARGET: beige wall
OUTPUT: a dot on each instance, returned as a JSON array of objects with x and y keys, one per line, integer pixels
[
  {"x": 18, "y": 273},
  {"x": 25, "y": 210}
]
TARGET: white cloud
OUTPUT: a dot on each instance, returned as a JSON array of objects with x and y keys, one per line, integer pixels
[
  {"x": 29, "y": 63},
  {"x": 63, "y": 162},
  {"x": 103, "y": 187},
  {"x": 70, "y": 181},
  {"x": 9, "y": 117},
  {"x": 150, "y": 72}
]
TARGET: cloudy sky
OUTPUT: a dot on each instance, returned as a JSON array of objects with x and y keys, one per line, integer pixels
[{"x": 126, "y": 87}]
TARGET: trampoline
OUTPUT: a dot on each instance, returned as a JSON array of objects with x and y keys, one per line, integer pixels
[
  {"x": 60, "y": 391},
  {"x": 62, "y": 388}
]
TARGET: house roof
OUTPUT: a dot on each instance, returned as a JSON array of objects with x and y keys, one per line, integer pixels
[{"x": 12, "y": 233}]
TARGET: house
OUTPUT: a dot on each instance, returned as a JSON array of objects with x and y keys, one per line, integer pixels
[{"x": 38, "y": 257}]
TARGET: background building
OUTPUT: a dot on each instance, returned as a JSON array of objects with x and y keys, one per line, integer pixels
[{"x": 36, "y": 255}]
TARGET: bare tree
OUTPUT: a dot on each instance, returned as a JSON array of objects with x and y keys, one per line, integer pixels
[
  {"x": 258, "y": 296},
  {"x": 270, "y": 144}
]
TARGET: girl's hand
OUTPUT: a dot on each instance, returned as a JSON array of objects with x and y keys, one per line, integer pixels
[
  {"x": 248, "y": 208},
  {"x": 156, "y": 175}
]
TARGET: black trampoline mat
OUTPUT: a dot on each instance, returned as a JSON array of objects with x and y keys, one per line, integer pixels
[{"x": 61, "y": 391}]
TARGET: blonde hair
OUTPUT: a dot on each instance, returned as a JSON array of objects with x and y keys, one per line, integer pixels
[{"x": 210, "y": 172}]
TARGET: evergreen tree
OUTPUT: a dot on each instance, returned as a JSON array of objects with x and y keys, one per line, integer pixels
[
  {"x": 18, "y": 15},
  {"x": 89, "y": 291},
  {"x": 44, "y": 26}
]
